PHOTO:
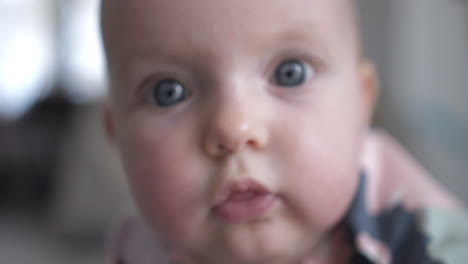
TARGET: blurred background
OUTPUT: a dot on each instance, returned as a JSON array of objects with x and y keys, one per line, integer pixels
[{"x": 60, "y": 183}]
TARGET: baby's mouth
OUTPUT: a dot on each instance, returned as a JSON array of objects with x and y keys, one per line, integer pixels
[
  {"x": 243, "y": 196},
  {"x": 243, "y": 201}
]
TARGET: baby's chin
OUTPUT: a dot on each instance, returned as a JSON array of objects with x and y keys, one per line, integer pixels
[{"x": 263, "y": 242}]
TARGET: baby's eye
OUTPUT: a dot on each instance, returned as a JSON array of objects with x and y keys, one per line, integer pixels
[
  {"x": 168, "y": 92},
  {"x": 291, "y": 73}
]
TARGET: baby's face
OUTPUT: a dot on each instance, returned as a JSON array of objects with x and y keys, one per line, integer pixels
[{"x": 239, "y": 122}]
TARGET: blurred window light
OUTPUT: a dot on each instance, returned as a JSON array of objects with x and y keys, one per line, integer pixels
[
  {"x": 82, "y": 55},
  {"x": 26, "y": 53},
  {"x": 45, "y": 41}
]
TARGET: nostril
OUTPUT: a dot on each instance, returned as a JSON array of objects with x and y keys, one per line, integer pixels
[
  {"x": 251, "y": 143},
  {"x": 221, "y": 141},
  {"x": 225, "y": 149},
  {"x": 221, "y": 148}
]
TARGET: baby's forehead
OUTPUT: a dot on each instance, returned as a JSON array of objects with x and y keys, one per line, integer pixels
[
  {"x": 184, "y": 28},
  {"x": 135, "y": 20},
  {"x": 222, "y": 6}
]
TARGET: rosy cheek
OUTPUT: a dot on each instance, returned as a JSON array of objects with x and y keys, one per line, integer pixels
[
  {"x": 319, "y": 169},
  {"x": 163, "y": 179}
]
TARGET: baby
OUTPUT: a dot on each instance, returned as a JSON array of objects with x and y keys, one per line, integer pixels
[{"x": 243, "y": 127}]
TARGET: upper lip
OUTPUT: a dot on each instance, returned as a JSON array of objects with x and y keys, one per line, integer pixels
[{"x": 244, "y": 185}]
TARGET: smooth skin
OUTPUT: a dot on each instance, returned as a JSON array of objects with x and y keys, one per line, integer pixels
[{"x": 237, "y": 121}]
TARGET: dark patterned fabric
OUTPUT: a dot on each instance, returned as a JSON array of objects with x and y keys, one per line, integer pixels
[{"x": 396, "y": 228}]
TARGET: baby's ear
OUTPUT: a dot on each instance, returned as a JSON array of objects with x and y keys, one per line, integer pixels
[
  {"x": 108, "y": 122},
  {"x": 369, "y": 85}
]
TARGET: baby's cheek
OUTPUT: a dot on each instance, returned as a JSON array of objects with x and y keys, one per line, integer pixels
[
  {"x": 164, "y": 183},
  {"x": 321, "y": 203},
  {"x": 321, "y": 177},
  {"x": 166, "y": 207}
]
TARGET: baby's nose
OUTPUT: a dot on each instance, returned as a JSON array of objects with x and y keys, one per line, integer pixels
[{"x": 233, "y": 126}]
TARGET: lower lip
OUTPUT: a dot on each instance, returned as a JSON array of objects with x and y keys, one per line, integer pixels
[{"x": 252, "y": 209}]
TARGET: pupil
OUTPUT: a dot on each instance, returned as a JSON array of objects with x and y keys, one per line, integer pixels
[
  {"x": 170, "y": 93},
  {"x": 290, "y": 73}
]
